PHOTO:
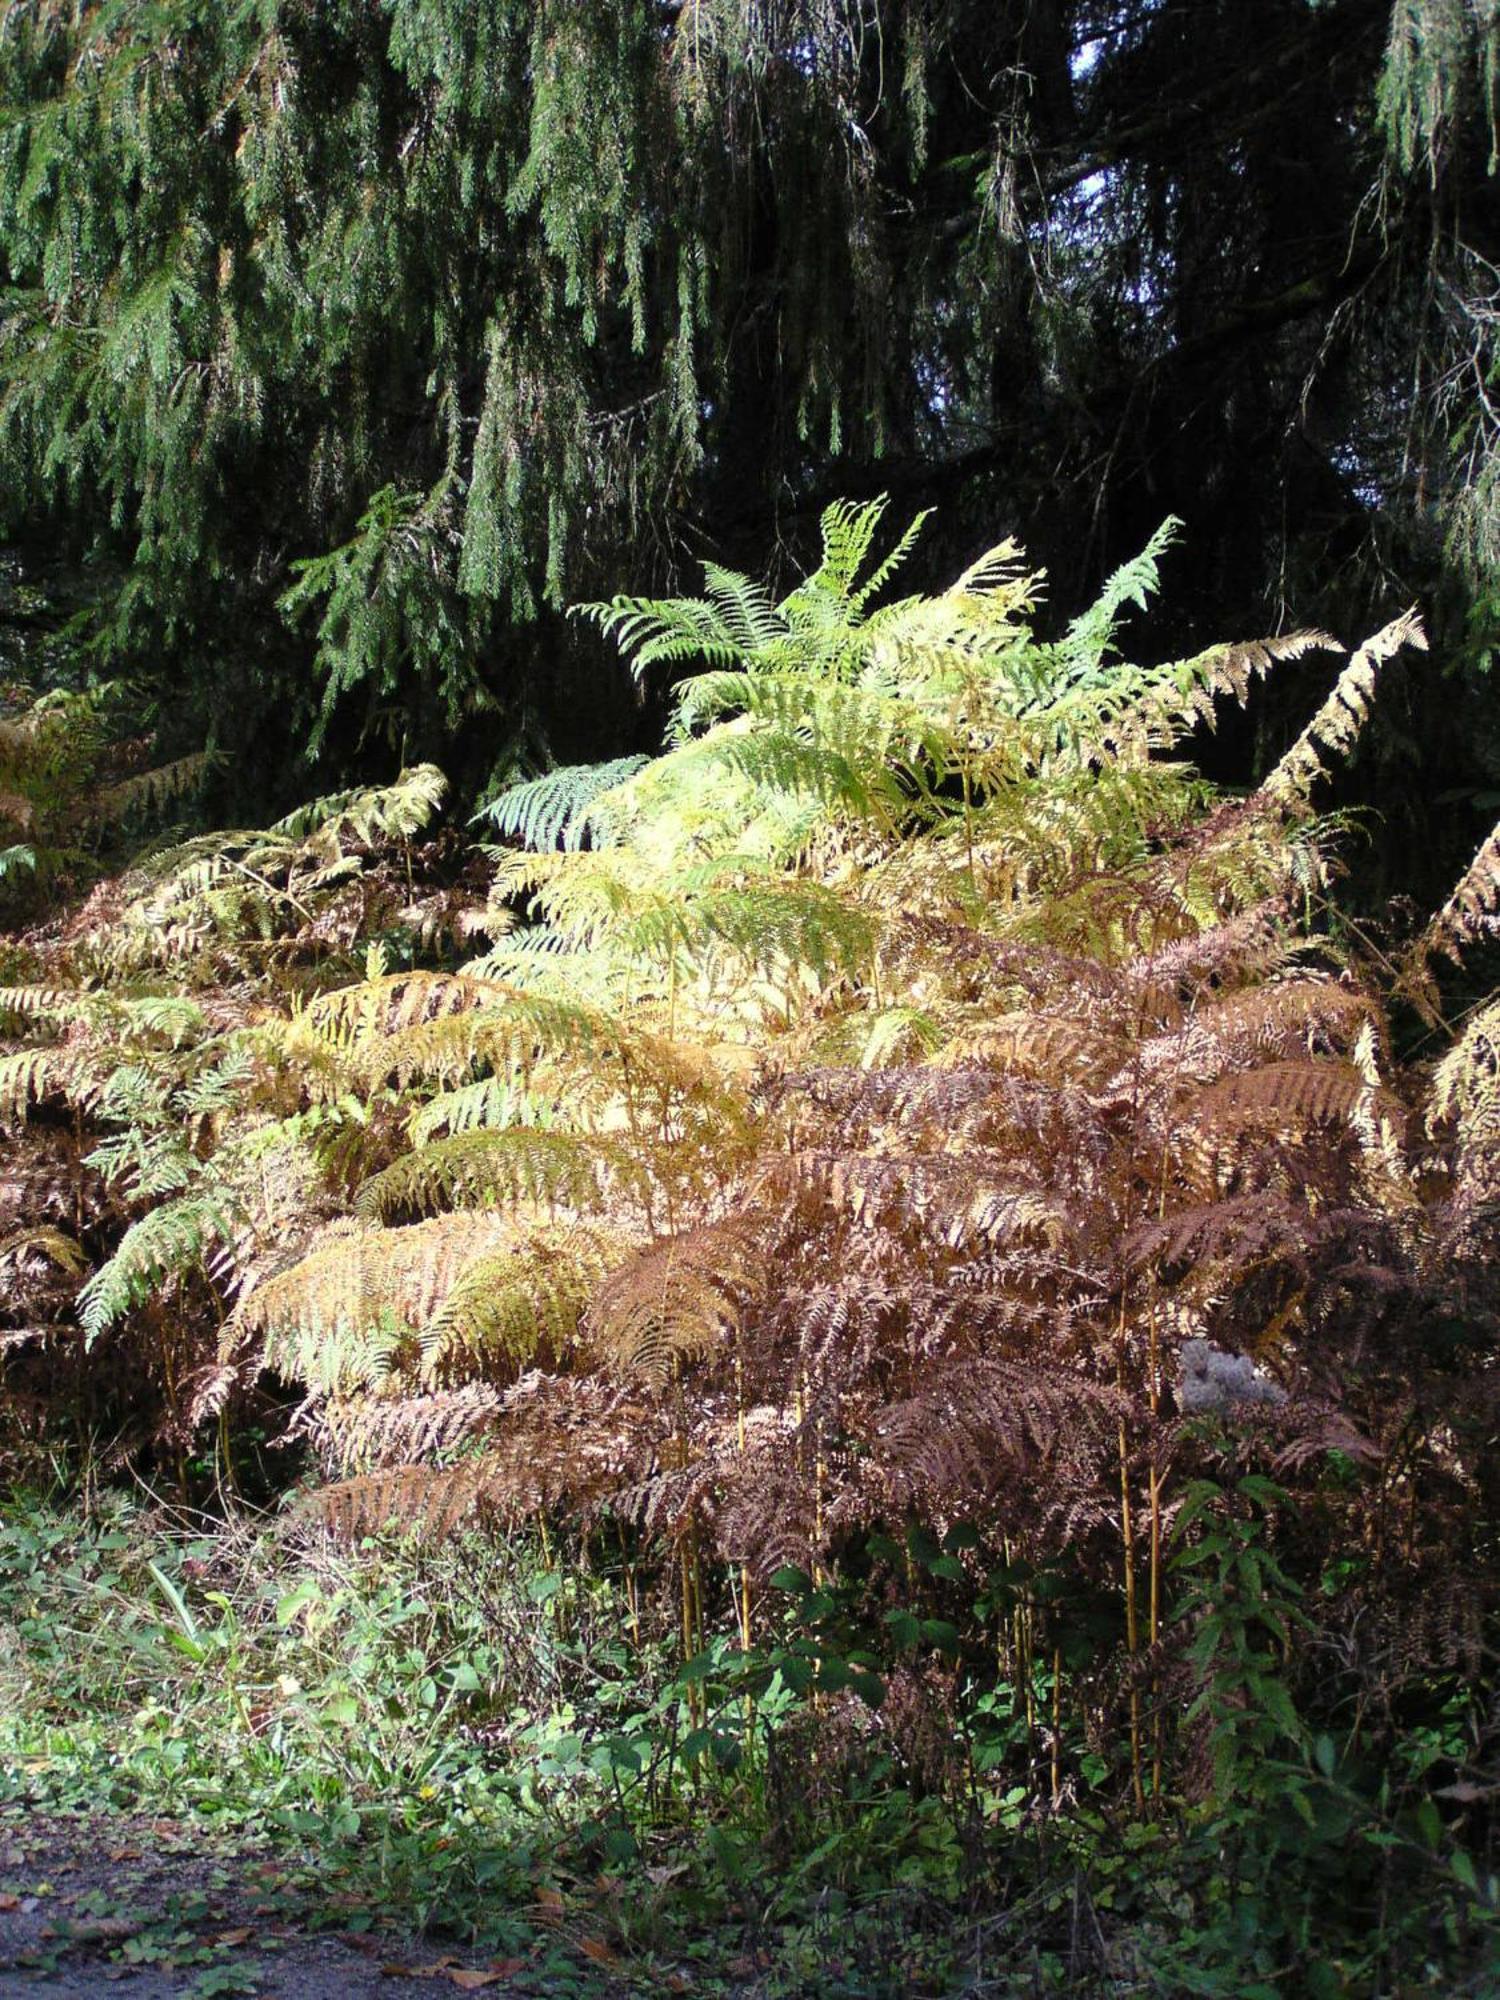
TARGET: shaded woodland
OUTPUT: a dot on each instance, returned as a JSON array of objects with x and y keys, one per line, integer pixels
[{"x": 748, "y": 1039}]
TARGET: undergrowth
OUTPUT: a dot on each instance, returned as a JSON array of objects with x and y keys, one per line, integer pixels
[{"x": 492, "y": 1745}]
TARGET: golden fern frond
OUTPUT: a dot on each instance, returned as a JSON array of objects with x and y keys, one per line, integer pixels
[
  {"x": 487, "y": 1104},
  {"x": 394, "y": 1001},
  {"x": 28, "y": 1074},
  {"x": 677, "y": 1299},
  {"x": 399, "y": 809},
  {"x": 1180, "y": 696},
  {"x": 1466, "y": 1083},
  {"x": 1125, "y": 715},
  {"x": 1336, "y": 726},
  {"x": 150, "y": 791},
  {"x": 881, "y": 1038},
  {"x": 45, "y": 1006},
  {"x": 1039, "y": 1045},
  {"x": 353, "y": 1276},
  {"x": 521, "y": 1164},
  {"x": 56, "y": 1246},
  {"x": 514, "y": 1304}
]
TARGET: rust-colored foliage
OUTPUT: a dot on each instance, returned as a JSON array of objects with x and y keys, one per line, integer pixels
[{"x": 854, "y": 1116}]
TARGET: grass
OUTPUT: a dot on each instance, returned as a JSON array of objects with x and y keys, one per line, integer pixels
[
  {"x": 443, "y": 1734},
  {"x": 499, "y": 1750}
]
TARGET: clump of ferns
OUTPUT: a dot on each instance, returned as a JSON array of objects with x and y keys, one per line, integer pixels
[
  {"x": 198, "y": 1129},
  {"x": 1086, "y": 1008},
  {"x": 854, "y": 1113},
  {"x": 73, "y": 787},
  {"x": 233, "y": 905}
]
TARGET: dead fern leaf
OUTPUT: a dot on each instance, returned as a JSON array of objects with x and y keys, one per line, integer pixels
[{"x": 677, "y": 1299}]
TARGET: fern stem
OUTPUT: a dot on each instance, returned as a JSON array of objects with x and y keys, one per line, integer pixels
[
  {"x": 1056, "y": 1724},
  {"x": 1132, "y": 1628},
  {"x": 739, "y": 1427}
]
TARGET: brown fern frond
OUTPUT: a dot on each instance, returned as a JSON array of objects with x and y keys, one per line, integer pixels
[
  {"x": 1035, "y": 1045},
  {"x": 974, "y": 1433},
  {"x": 1292, "y": 1095},
  {"x": 551, "y": 1443},
  {"x": 1472, "y": 912},
  {"x": 424, "y": 1500},
  {"x": 948, "y": 1199},
  {"x": 1244, "y": 948},
  {"x": 678, "y": 1298},
  {"x": 375, "y": 1433},
  {"x": 1285, "y": 1018}
]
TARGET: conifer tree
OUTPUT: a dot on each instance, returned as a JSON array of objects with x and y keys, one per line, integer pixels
[{"x": 349, "y": 340}]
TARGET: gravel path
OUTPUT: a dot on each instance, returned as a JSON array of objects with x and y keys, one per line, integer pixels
[{"x": 154, "y": 1909}]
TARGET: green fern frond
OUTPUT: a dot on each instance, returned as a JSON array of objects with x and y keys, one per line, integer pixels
[
  {"x": 665, "y": 631},
  {"x": 1090, "y": 637},
  {"x": 558, "y": 809},
  {"x": 166, "y": 1243}
]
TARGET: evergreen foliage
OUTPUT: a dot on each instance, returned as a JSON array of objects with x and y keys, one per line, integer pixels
[{"x": 364, "y": 334}]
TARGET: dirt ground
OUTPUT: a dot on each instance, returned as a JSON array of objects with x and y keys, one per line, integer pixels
[{"x": 154, "y": 1909}]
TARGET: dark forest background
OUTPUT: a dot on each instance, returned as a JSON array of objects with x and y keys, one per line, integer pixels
[{"x": 345, "y": 342}]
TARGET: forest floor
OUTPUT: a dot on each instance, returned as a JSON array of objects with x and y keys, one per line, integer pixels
[{"x": 172, "y": 1909}]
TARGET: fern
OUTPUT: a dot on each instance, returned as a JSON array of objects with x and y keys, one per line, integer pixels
[
  {"x": 559, "y": 808},
  {"x": 676, "y": 1300},
  {"x": 891, "y": 1098},
  {"x": 520, "y": 1165},
  {"x": 1470, "y": 912},
  {"x": 164, "y": 1244},
  {"x": 1337, "y": 724}
]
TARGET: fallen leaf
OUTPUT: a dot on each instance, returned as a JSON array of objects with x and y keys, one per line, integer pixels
[
  {"x": 10, "y": 1902},
  {"x": 236, "y": 1936},
  {"x": 599, "y": 1952},
  {"x": 548, "y": 1899},
  {"x": 470, "y": 1982},
  {"x": 124, "y": 1854},
  {"x": 98, "y": 1930}
]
